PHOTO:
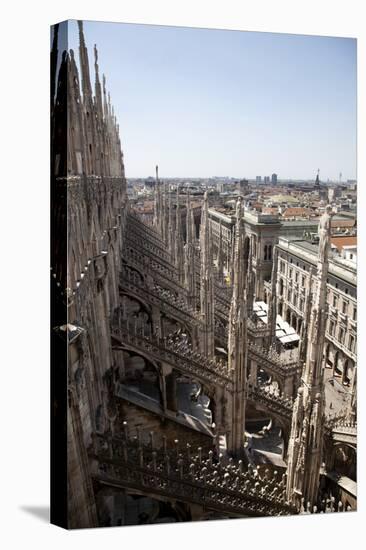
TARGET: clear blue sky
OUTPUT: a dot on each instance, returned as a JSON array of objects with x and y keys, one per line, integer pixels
[{"x": 202, "y": 102}]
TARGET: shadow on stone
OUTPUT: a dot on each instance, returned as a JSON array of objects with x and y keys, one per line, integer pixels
[{"x": 40, "y": 512}]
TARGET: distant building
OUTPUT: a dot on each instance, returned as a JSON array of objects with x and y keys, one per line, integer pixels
[
  {"x": 150, "y": 182},
  {"x": 243, "y": 187},
  {"x": 295, "y": 259},
  {"x": 296, "y": 212},
  {"x": 274, "y": 179},
  {"x": 266, "y": 179},
  {"x": 333, "y": 193},
  {"x": 258, "y": 179}
]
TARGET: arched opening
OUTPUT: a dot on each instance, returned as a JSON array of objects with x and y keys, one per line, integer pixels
[
  {"x": 194, "y": 400},
  {"x": 246, "y": 248},
  {"x": 348, "y": 370},
  {"x": 299, "y": 324},
  {"x": 141, "y": 375},
  {"x": 293, "y": 321},
  {"x": 337, "y": 370},
  {"x": 344, "y": 461},
  {"x": 270, "y": 252},
  {"x": 328, "y": 362}
]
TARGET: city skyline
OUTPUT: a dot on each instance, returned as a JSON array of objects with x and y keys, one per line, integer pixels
[{"x": 228, "y": 102}]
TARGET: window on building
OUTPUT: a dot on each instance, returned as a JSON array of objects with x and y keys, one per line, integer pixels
[
  {"x": 297, "y": 276},
  {"x": 303, "y": 281},
  {"x": 331, "y": 328},
  {"x": 341, "y": 335},
  {"x": 344, "y": 307},
  {"x": 290, "y": 273},
  {"x": 302, "y": 304},
  {"x": 289, "y": 295},
  {"x": 281, "y": 287},
  {"x": 354, "y": 316},
  {"x": 351, "y": 343},
  {"x": 335, "y": 300}
]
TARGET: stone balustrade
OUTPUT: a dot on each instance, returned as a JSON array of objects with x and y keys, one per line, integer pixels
[
  {"x": 189, "y": 475},
  {"x": 179, "y": 354},
  {"x": 192, "y": 476}
]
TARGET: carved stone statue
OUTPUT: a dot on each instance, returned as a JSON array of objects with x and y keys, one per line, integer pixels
[{"x": 324, "y": 231}]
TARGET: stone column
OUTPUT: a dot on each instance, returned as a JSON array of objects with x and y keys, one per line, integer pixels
[
  {"x": 288, "y": 387},
  {"x": 253, "y": 373},
  {"x": 171, "y": 391},
  {"x": 156, "y": 322}
]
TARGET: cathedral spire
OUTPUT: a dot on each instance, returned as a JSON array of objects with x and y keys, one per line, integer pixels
[
  {"x": 305, "y": 445},
  {"x": 206, "y": 284},
  {"x": 105, "y": 103},
  {"x": 189, "y": 263},
  {"x": 156, "y": 202},
  {"x": 165, "y": 215},
  {"x": 305, "y": 323},
  {"x": 237, "y": 341},
  {"x": 178, "y": 239},
  {"x": 170, "y": 225},
  {"x": 220, "y": 258},
  {"x": 272, "y": 301},
  {"x": 84, "y": 65},
  {"x": 98, "y": 88}
]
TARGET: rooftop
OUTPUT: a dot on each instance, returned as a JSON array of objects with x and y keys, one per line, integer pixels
[{"x": 340, "y": 242}]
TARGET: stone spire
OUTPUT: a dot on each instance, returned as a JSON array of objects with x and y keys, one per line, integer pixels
[
  {"x": 90, "y": 133},
  {"x": 220, "y": 258},
  {"x": 272, "y": 300},
  {"x": 250, "y": 280},
  {"x": 105, "y": 102},
  {"x": 306, "y": 320},
  {"x": 206, "y": 285},
  {"x": 98, "y": 87},
  {"x": 160, "y": 199},
  {"x": 100, "y": 142},
  {"x": 352, "y": 406},
  {"x": 237, "y": 341},
  {"x": 305, "y": 445},
  {"x": 170, "y": 226},
  {"x": 158, "y": 204},
  {"x": 165, "y": 215},
  {"x": 84, "y": 65},
  {"x": 178, "y": 254},
  {"x": 232, "y": 255},
  {"x": 189, "y": 263}
]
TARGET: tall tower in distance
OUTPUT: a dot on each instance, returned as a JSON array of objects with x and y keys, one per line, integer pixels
[
  {"x": 317, "y": 180},
  {"x": 274, "y": 179}
]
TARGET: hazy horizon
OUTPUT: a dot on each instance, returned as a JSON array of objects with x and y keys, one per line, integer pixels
[{"x": 236, "y": 103}]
